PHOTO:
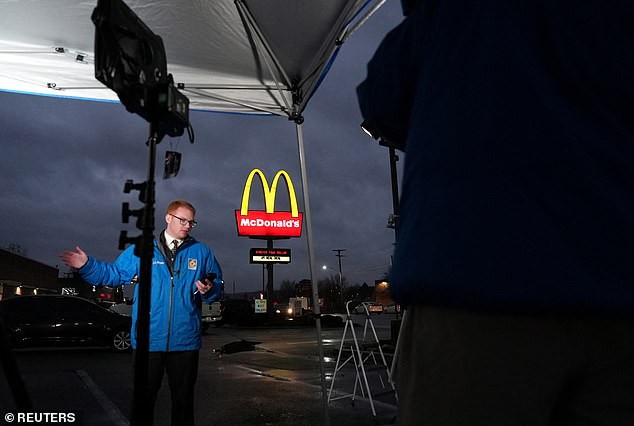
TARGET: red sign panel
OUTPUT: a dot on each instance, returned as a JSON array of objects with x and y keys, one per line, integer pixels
[{"x": 258, "y": 223}]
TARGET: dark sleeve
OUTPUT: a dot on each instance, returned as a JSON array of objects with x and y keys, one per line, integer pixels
[{"x": 387, "y": 94}]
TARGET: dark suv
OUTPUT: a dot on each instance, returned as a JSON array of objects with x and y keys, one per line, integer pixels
[{"x": 53, "y": 320}]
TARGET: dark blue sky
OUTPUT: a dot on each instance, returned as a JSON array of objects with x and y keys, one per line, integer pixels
[{"x": 64, "y": 164}]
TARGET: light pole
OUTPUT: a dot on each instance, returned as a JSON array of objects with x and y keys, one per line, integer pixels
[
  {"x": 339, "y": 255},
  {"x": 338, "y": 286}
]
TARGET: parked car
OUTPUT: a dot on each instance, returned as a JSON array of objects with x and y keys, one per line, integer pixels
[
  {"x": 54, "y": 320},
  {"x": 372, "y": 308},
  {"x": 124, "y": 308},
  {"x": 212, "y": 314},
  {"x": 284, "y": 310},
  {"x": 242, "y": 312},
  {"x": 392, "y": 309}
]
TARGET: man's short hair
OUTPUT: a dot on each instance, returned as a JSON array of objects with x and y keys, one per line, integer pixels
[{"x": 176, "y": 204}]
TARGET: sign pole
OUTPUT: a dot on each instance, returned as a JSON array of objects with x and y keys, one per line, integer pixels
[{"x": 269, "y": 284}]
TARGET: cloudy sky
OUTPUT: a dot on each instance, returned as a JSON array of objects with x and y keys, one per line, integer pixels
[{"x": 64, "y": 164}]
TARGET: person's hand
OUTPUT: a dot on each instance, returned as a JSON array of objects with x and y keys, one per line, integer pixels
[
  {"x": 204, "y": 286},
  {"x": 75, "y": 259}
]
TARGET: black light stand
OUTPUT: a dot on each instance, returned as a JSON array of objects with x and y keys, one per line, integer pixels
[
  {"x": 393, "y": 223},
  {"x": 130, "y": 59},
  {"x": 12, "y": 373},
  {"x": 375, "y": 133},
  {"x": 142, "y": 409}
]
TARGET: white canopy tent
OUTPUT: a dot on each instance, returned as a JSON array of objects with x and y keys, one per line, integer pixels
[
  {"x": 242, "y": 56},
  {"x": 247, "y": 56}
]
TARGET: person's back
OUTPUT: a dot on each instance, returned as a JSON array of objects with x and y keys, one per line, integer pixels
[
  {"x": 515, "y": 248},
  {"x": 518, "y": 190}
]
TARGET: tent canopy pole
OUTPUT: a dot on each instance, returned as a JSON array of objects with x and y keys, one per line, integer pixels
[{"x": 311, "y": 262}]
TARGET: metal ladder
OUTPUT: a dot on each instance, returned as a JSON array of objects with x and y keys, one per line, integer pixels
[{"x": 367, "y": 357}]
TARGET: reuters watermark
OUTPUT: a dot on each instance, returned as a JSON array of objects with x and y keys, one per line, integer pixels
[{"x": 40, "y": 417}]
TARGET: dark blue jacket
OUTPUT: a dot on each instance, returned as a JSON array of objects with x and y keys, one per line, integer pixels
[
  {"x": 175, "y": 311},
  {"x": 517, "y": 119}
]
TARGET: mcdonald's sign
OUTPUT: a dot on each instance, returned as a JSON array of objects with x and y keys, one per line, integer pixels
[{"x": 269, "y": 223}]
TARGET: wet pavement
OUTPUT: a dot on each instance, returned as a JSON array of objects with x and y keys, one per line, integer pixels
[{"x": 247, "y": 376}]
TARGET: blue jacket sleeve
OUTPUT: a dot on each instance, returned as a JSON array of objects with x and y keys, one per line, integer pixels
[
  {"x": 122, "y": 271},
  {"x": 217, "y": 290}
]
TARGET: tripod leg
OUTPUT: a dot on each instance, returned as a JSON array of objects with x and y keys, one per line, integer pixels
[{"x": 12, "y": 373}]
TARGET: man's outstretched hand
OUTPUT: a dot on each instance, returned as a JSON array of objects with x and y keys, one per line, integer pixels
[{"x": 75, "y": 259}]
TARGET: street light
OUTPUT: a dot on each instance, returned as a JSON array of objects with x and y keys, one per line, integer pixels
[
  {"x": 337, "y": 272},
  {"x": 339, "y": 284}
]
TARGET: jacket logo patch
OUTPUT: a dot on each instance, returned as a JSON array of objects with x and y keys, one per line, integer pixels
[{"x": 191, "y": 264}]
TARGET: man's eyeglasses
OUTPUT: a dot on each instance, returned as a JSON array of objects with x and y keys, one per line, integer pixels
[{"x": 184, "y": 222}]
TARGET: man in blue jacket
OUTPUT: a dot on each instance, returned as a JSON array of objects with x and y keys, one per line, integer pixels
[
  {"x": 515, "y": 251},
  {"x": 179, "y": 267}
]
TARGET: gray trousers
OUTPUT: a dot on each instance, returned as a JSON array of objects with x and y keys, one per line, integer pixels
[{"x": 459, "y": 367}]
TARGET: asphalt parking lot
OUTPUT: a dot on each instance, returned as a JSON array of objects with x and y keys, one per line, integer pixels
[{"x": 247, "y": 376}]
